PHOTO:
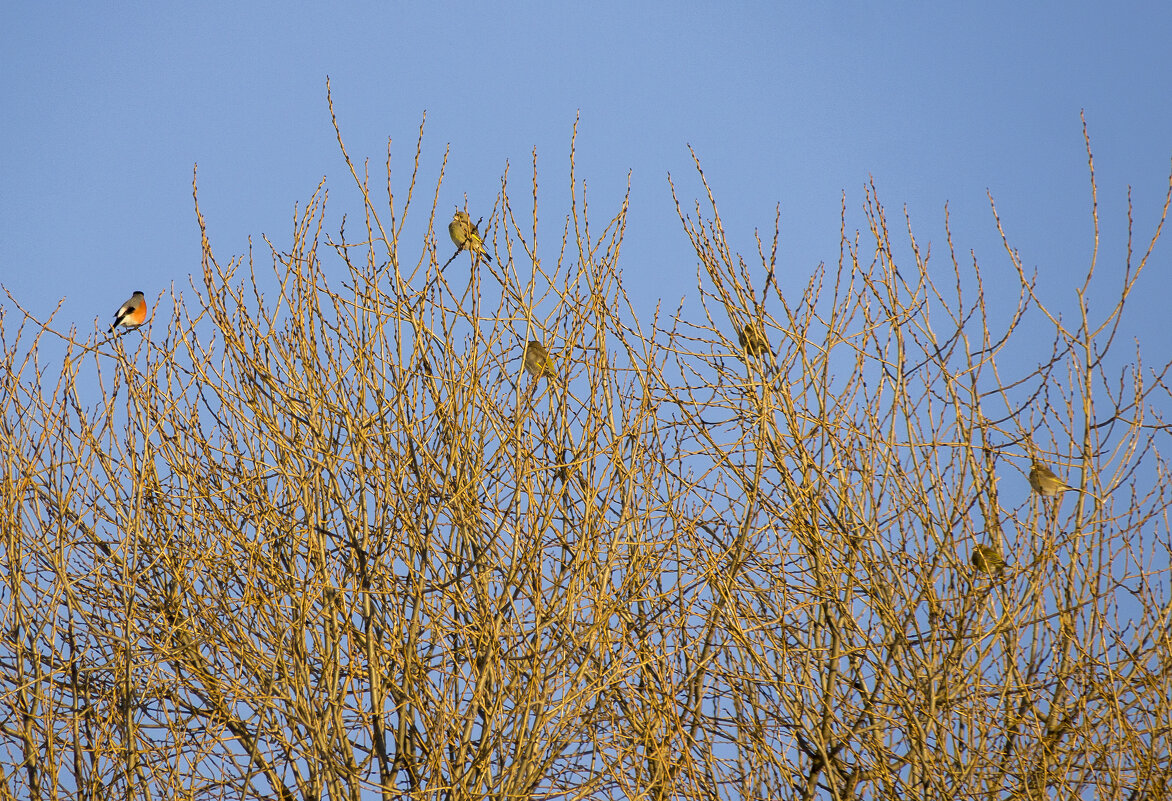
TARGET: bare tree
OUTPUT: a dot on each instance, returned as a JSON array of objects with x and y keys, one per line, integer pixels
[{"x": 315, "y": 533}]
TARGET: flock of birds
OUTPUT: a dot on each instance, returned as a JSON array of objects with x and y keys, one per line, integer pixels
[
  {"x": 466, "y": 235},
  {"x": 986, "y": 558},
  {"x": 1044, "y": 481}
]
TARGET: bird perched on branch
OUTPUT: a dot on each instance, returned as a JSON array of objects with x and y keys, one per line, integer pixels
[
  {"x": 753, "y": 341},
  {"x": 987, "y": 559},
  {"x": 1045, "y": 482},
  {"x": 132, "y": 313},
  {"x": 466, "y": 236},
  {"x": 538, "y": 363}
]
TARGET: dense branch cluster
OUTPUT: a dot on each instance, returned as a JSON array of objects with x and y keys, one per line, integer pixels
[{"x": 317, "y": 532}]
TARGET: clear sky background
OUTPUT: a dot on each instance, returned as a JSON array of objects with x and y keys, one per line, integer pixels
[{"x": 107, "y": 107}]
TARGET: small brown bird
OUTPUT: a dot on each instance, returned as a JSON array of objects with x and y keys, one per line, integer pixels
[
  {"x": 1045, "y": 482},
  {"x": 538, "y": 363},
  {"x": 987, "y": 559},
  {"x": 132, "y": 313},
  {"x": 753, "y": 341},
  {"x": 466, "y": 236}
]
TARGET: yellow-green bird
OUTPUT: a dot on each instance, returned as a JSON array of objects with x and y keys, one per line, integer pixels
[
  {"x": 753, "y": 341},
  {"x": 458, "y": 228},
  {"x": 987, "y": 559},
  {"x": 466, "y": 236},
  {"x": 1045, "y": 482},
  {"x": 538, "y": 363}
]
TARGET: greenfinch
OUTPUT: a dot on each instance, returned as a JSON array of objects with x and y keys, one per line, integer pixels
[
  {"x": 987, "y": 559},
  {"x": 1045, "y": 482},
  {"x": 466, "y": 236},
  {"x": 753, "y": 341},
  {"x": 538, "y": 363},
  {"x": 458, "y": 228}
]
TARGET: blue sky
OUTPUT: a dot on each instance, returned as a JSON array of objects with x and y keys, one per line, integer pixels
[{"x": 108, "y": 107}]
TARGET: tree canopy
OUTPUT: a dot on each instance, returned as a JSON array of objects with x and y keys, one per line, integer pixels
[{"x": 314, "y": 532}]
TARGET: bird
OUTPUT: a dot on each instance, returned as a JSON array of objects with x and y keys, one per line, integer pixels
[
  {"x": 132, "y": 313},
  {"x": 753, "y": 341},
  {"x": 458, "y": 228},
  {"x": 1045, "y": 482},
  {"x": 987, "y": 559},
  {"x": 466, "y": 236},
  {"x": 538, "y": 363}
]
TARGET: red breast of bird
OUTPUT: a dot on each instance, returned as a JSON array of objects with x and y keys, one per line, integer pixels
[{"x": 132, "y": 313}]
